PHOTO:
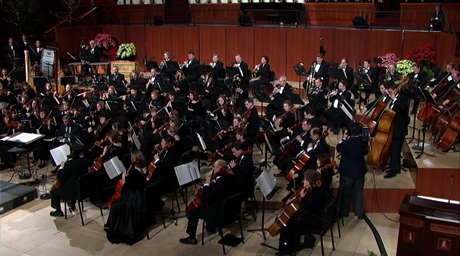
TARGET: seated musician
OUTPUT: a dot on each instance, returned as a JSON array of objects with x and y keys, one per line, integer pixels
[
  {"x": 335, "y": 115},
  {"x": 286, "y": 120},
  {"x": 155, "y": 82},
  {"x": 111, "y": 94},
  {"x": 374, "y": 103},
  {"x": 130, "y": 100},
  {"x": 192, "y": 72},
  {"x": 195, "y": 107},
  {"x": 69, "y": 131},
  {"x": 134, "y": 79},
  {"x": 44, "y": 125},
  {"x": 318, "y": 97},
  {"x": 281, "y": 93},
  {"x": 347, "y": 72},
  {"x": 7, "y": 127},
  {"x": 181, "y": 85},
  {"x": 31, "y": 112},
  {"x": 218, "y": 71},
  {"x": 101, "y": 128},
  {"x": 67, "y": 175},
  {"x": 125, "y": 222},
  {"x": 392, "y": 74},
  {"x": 243, "y": 167},
  {"x": 68, "y": 94},
  {"x": 117, "y": 79},
  {"x": 251, "y": 118},
  {"x": 301, "y": 135},
  {"x": 442, "y": 92},
  {"x": 166, "y": 158},
  {"x": 6, "y": 81},
  {"x": 320, "y": 69},
  {"x": 214, "y": 192},
  {"x": 419, "y": 78},
  {"x": 401, "y": 108},
  {"x": 156, "y": 100},
  {"x": 308, "y": 217},
  {"x": 26, "y": 89},
  {"x": 310, "y": 113},
  {"x": 223, "y": 113},
  {"x": 264, "y": 70},
  {"x": 229, "y": 135}
]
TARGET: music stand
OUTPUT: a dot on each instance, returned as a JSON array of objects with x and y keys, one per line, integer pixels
[
  {"x": 262, "y": 96},
  {"x": 423, "y": 96},
  {"x": 151, "y": 64},
  {"x": 39, "y": 82},
  {"x": 232, "y": 72},
  {"x": 114, "y": 106},
  {"x": 362, "y": 83},
  {"x": 295, "y": 99},
  {"x": 338, "y": 74},
  {"x": 204, "y": 69},
  {"x": 267, "y": 185},
  {"x": 300, "y": 71},
  {"x": 220, "y": 88},
  {"x": 198, "y": 87}
]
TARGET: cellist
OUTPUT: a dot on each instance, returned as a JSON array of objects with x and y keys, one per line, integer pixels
[
  {"x": 400, "y": 106},
  {"x": 308, "y": 216}
]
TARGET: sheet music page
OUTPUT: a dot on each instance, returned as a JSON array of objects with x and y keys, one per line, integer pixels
[
  {"x": 114, "y": 167},
  {"x": 26, "y": 137},
  {"x": 266, "y": 183},
  {"x": 194, "y": 170},
  {"x": 183, "y": 174},
  {"x": 60, "y": 154},
  {"x": 136, "y": 141}
]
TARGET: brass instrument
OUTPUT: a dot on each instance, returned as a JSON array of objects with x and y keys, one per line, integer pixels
[
  {"x": 236, "y": 84},
  {"x": 182, "y": 66},
  {"x": 311, "y": 81},
  {"x": 255, "y": 72}
]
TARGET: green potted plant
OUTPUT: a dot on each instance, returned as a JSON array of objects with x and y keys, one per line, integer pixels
[{"x": 127, "y": 51}]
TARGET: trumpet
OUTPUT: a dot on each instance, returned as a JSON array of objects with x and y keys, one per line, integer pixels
[
  {"x": 182, "y": 66},
  {"x": 255, "y": 72}
]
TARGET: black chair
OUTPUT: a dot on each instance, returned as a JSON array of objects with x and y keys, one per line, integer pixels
[
  {"x": 327, "y": 221},
  {"x": 150, "y": 193},
  {"x": 271, "y": 80},
  {"x": 229, "y": 212},
  {"x": 87, "y": 186}
]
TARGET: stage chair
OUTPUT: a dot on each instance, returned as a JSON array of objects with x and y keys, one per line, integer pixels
[{"x": 150, "y": 192}]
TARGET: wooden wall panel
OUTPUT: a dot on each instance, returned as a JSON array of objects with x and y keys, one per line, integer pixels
[
  {"x": 68, "y": 40},
  {"x": 89, "y": 33},
  {"x": 158, "y": 40},
  {"x": 268, "y": 43},
  {"x": 340, "y": 14},
  {"x": 382, "y": 43},
  {"x": 416, "y": 39},
  {"x": 216, "y": 13},
  {"x": 213, "y": 40},
  {"x": 436, "y": 182},
  {"x": 240, "y": 40},
  {"x": 302, "y": 45},
  {"x": 118, "y": 32},
  {"x": 418, "y": 14},
  {"x": 327, "y": 44},
  {"x": 185, "y": 39},
  {"x": 445, "y": 49},
  {"x": 136, "y": 35},
  {"x": 352, "y": 44}
]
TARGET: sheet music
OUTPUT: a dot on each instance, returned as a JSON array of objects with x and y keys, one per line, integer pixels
[
  {"x": 25, "y": 137},
  {"x": 187, "y": 173},
  {"x": 136, "y": 141},
  {"x": 266, "y": 183},
  {"x": 60, "y": 154},
  {"x": 114, "y": 167},
  {"x": 202, "y": 143}
]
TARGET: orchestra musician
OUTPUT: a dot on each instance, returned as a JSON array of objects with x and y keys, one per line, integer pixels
[
  {"x": 281, "y": 93},
  {"x": 320, "y": 69},
  {"x": 448, "y": 88},
  {"x": 263, "y": 69},
  {"x": 214, "y": 192},
  {"x": 166, "y": 62},
  {"x": 244, "y": 69},
  {"x": 155, "y": 82},
  {"x": 47, "y": 126},
  {"x": 335, "y": 115},
  {"x": 27, "y": 89},
  {"x": 251, "y": 118},
  {"x": 67, "y": 175},
  {"x": 286, "y": 120},
  {"x": 165, "y": 163},
  {"x": 347, "y": 71},
  {"x": 437, "y": 19},
  {"x": 371, "y": 77},
  {"x": 243, "y": 167},
  {"x": 310, "y": 113},
  {"x": 181, "y": 85},
  {"x": 318, "y": 97},
  {"x": 217, "y": 68},
  {"x": 373, "y": 104},
  {"x": 37, "y": 52},
  {"x": 111, "y": 94},
  {"x": 156, "y": 100},
  {"x": 419, "y": 78},
  {"x": 192, "y": 72},
  {"x": 10, "y": 51},
  {"x": 308, "y": 217},
  {"x": 134, "y": 79},
  {"x": 7, "y": 127},
  {"x": 117, "y": 79},
  {"x": 392, "y": 74},
  {"x": 401, "y": 107},
  {"x": 6, "y": 80},
  {"x": 95, "y": 52}
]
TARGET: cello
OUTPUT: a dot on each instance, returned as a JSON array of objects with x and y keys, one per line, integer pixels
[
  {"x": 289, "y": 210},
  {"x": 449, "y": 134}
]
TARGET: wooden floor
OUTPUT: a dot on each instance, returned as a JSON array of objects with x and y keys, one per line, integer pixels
[{"x": 30, "y": 230}]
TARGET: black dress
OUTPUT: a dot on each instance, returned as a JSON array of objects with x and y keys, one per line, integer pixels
[{"x": 125, "y": 224}]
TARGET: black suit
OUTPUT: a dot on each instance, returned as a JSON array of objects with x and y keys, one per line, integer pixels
[
  {"x": 349, "y": 77},
  {"x": 212, "y": 198},
  {"x": 118, "y": 80},
  {"x": 253, "y": 123},
  {"x": 218, "y": 71},
  {"x": 334, "y": 115},
  {"x": 323, "y": 71},
  {"x": 421, "y": 81},
  {"x": 37, "y": 54},
  {"x": 192, "y": 72},
  {"x": 276, "y": 107},
  {"x": 246, "y": 72},
  {"x": 154, "y": 83},
  {"x": 244, "y": 172},
  {"x": 10, "y": 54},
  {"x": 69, "y": 132},
  {"x": 401, "y": 108},
  {"x": 96, "y": 54}
]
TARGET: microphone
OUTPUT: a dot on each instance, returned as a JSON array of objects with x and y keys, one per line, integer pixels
[{"x": 451, "y": 186}]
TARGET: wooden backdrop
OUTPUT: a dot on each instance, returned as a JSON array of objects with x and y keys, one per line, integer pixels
[{"x": 284, "y": 46}]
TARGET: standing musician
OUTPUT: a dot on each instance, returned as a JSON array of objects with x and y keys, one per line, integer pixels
[
  {"x": 67, "y": 176},
  {"x": 281, "y": 93},
  {"x": 218, "y": 71},
  {"x": 10, "y": 51},
  {"x": 251, "y": 118},
  {"x": 214, "y": 192},
  {"x": 309, "y": 216},
  {"x": 262, "y": 70},
  {"x": 401, "y": 107},
  {"x": 319, "y": 69},
  {"x": 437, "y": 19},
  {"x": 37, "y": 52},
  {"x": 95, "y": 52},
  {"x": 335, "y": 115},
  {"x": 352, "y": 170},
  {"x": 192, "y": 72},
  {"x": 418, "y": 78}
]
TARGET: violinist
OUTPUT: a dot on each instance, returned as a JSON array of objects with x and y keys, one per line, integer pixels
[
  {"x": 6, "y": 80},
  {"x": 26, "y": 89},
  {"x": 229, "y": 135},
  {"x": 243, "y": 167},
  {"x": 281, "y": 93},
  {"x": 49, "y": 96},
  {"x": 181, "y": 85},
  {"x": 352, "y": 170},
  {"x": 286, "y": 120},
  {"x": 68, "y": 94},
  {"x": 251, "y": 118},
  {"x": 400, "y": 106},
  {"x": 308, "y": 217},
  {"x": 32, "y": 113},
  {"x": 214, "y": 192},
  {"x": 68, "y": 174},
  {"x": 335, "y": 115},
  {"x": 113, "y": 147},
  {"x": 310, "y": 113},
  {"x": 166, "y": 158},
  {"x": 121, "y": 146},
  {"x": 44, "y": 125},
  {"x": 222, "y": 112},
  {"x": 103, "y": 126}
]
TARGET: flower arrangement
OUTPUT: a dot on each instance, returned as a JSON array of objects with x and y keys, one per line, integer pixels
[
  {"x": 126, "y": 51},
  {"x": 405, "y": 67},
  {"x": 111, "y": 55},
  {"x": 388, "y": 58},
  {"x": 425, "y": 54},
  {"x": 105, "y": 40}
]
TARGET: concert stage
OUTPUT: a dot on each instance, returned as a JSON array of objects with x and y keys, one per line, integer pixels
[{"x": 13, "y": 195}]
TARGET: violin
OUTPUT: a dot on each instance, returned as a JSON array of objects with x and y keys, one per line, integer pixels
[
  {"x": 225, "y": 132},
  {"x": 12, "y": 124},
  {"x": 106, "y": 139},
  {"x": 58, "y": 183},
  {"x": 294, "y": 127}
]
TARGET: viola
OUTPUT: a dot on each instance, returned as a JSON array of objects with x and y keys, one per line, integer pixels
[
  {"x": 12, "y": 124},
  {"x": 106, "y": 139},
  {"x": 290, "y": 210},
  {"x": 225, "y": 132},
  {"x": 58, "y": 183},
  {"x": 294, "y": 127},
  {"x": 118, "y": 189}
]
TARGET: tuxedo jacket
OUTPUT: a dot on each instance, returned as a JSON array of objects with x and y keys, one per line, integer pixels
[
  {"x": 245, "y": 69},
  {"x": 218, "y": 71},
  {"x": 352, "y": 163},
  {"x": 323, "y": 71},
  {"x": 373, "y": 76},
  {"x": 421, "y": 80},
  {"x": 192, "y": 72},
  {"x": 402, "y": 119},
  {"x": 349, "y": 76}
]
